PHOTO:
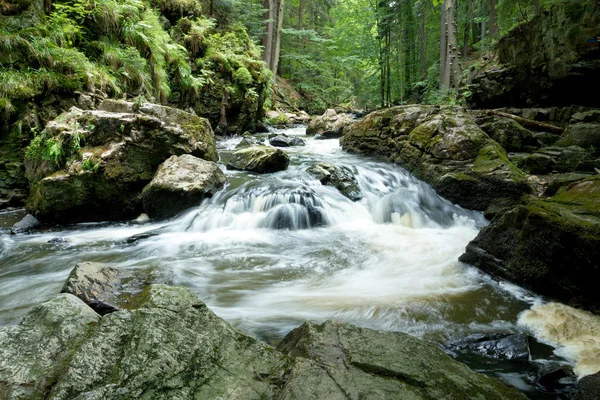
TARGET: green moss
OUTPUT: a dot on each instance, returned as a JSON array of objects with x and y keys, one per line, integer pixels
[{"x": 492, "y": 157}]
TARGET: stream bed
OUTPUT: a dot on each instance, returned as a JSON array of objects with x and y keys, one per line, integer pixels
[{"x": 271, "y": 251}]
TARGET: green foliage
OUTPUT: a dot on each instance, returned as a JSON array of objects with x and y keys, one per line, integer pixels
[
  {"x": 242, "y": 76},
  {"x": 89, "y": 165}
]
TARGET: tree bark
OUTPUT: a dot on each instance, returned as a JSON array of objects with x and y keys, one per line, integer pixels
[
  {"x": 422, "y": 62},
  {"x": 468, "y": 24},
  {"x": 528, "y": 123},
  {"x": 267, "y": 41},
  {"x": 452, "y": 76},
  {"x": 277, "y": 38},
  {"x": 493, "y": 19},
  {"x": 443, "y": 45}
]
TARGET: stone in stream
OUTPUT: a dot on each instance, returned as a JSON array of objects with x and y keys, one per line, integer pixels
[
  {"x": 444, "y": 146},
  {"x": 330, "y": 125},
  {"x": 550, "y": 246},
  {"x": 108, "y": 156},
  {"x": 286, "y": 141},
  {"x": 260, "y": 159},
  {"x": 589, "y": 388},
  {"x": 513, "y": 347},
  {"x": 170, "y": 345},
  {"x": 339, "y": 177},
  {"x": 181, "y": 183},
  {"x": 27, "y": 224},
  {"x": 95, "y": 284}
]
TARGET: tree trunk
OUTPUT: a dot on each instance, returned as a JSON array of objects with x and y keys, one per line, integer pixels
[
  {"x": 277, "y": 38},
  {"x": 300, "y": 15},
  {"x": 422, "y": 62},
  {"x": 267, "y": 41},
  {"x": 223, "y": 118},
  {"x": 452, "y": 76},
  {"x": 493, "y": 19},
  {"x": 443, "y": 45},
  {"x": 468, "y": 23}
]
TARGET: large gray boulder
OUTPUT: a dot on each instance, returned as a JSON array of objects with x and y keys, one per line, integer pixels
[
  {"x": 444, "y": 146},
  {"x": 261, "y": 159},
  {"x": 330, "y": 125},
  {"x": 169, "y": 345},
  {"x": 33, "y": 355},
  {"x": 103, "y": 158},
  {"x": 180, "y": 183},
  {"x": 358, "y": 363},
  {"x": 95, "y": 284},
  {"x": 27, "y": 224},
  {"x": 339, "y": 177}
]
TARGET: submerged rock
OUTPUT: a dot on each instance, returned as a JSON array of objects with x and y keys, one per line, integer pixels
[
  {"x": 286, "y": 141},
  {"x": 549, "y": 246},
  {"x": 330, "y": 125},
  {"x": 444, "y": 147},
  {"x": 108, "y": 156},
  {"x": 261, "y": 159},
  {"x": 589, "y": 388},
  {"x": 180, "y": 183},
  {"x": 95, "y": 284},
  {"x": 498, "y": 346},
  {"x": 27, "y": 224},
  {"x": 340, "y": 178}
]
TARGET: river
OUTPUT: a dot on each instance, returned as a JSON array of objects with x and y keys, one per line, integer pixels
[{"x": 259, "y": 258}]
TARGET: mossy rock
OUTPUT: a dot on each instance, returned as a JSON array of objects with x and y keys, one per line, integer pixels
[
  {"x": 261, "y": 159},
  {"x": 549, "y": 246}
]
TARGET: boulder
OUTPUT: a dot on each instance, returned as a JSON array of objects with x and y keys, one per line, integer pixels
[
  {"x": 571, "y": 158},
  {"x": 549, "y": 246},
  {"x": 95, "y": 284},
  {"x": 558, "y": 181},
  {"x": 514, "y": 347},
  {"x": 357, "y": 363},
  {"x": 34, "y": 353},
  {"x": 586, "y": 135},
  {"x": 330, "y": 125},
  {"x": 443, "y": 146},
  {"x": 180, "y": 183},
  {"x": 170, "y": 345},
  {"x": 589, "y": 388},
  {"x": 27, "y": 224},
  {"x": 339, "y": 177},
  {"x": 286, "y": 141},
  {"x": 537, "y": 163},
  {"x": 260, "y": 159},
  {"x": 104, "y": 158},
  {"x": 507, "y": 132}
]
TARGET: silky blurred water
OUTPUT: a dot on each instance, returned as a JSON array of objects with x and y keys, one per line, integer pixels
[{"x": 271, "y": 251}]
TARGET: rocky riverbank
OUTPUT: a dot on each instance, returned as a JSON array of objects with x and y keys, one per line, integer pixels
[
  {"x": 542, "y": 197},
  {"x": 165, "y": 343}
]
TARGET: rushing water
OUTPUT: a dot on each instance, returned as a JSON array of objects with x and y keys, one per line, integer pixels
[{"x": 271, "y": 251}]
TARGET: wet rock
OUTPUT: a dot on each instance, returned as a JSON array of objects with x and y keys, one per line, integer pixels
[
  {"x": 27, "y": 224},
  {"x": 546, "y": 138},
  {"x": 591, "y": 116},
  {"x": 260, "y": 159},
  {"x": 180, "y": 183},
  {"x": 353, "y": 362},
  {"x": 514, "y": 347},
  {"x": 558, "y": 181},
  {"x": 117, "y": 154},
  {"x": 444, "y": 147},
  {"x": 145, "y": 235},
  {"x": 555, "y": 379},
  {"x": 95, "y": 284},
  {"x": 246, "y": 142},
  {"x": 549, "y": 246},
  {"x": 571, "y": 158},
  {"x": 33, "y": 353},
  {"x": 339, "y": 177},
  {"x": 58, "y": 240},
  {"x": 330, "y": 125},
  {"x": 507, "y": 132},
  {"x": 286, "y": 141},
  {"x": 589, "y": 388},
  {"x": 537, "y": 164}
]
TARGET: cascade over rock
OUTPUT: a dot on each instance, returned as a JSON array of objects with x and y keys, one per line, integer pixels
[
  {"x": 445, "y": 147},
  {"x": 102, "y": 159}
]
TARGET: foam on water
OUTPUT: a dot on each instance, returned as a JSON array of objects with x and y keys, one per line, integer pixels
[{"x": 575, "y": 333}]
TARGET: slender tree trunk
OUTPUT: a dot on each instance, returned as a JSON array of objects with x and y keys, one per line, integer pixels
[
  {"x": 468, "y": 24},
  {"x": 493, "y": 19},
  {"x": 277, "y": 38},
  {"x": 452, "y": 76},
  {"x": 483, "y": 35},
  {"x": 267, "y": 41},
  {"x": 300, "y": 15},
  {"x": 443, "y": 45},
  {"x": 422, "y": 62}
]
